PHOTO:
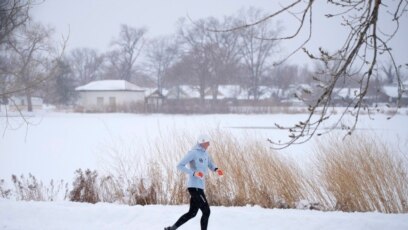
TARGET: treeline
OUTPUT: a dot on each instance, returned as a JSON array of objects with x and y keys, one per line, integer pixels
[{"x": 204, "y": 53}]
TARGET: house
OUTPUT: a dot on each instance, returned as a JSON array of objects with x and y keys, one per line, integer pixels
[
  {"x": 392, "y": 94},
  {"x": 154, "y": 99},
  {"x": 230, "y": 91},
  {"x": 226, "y": 92},
  {"x": 110, "y": 95}
]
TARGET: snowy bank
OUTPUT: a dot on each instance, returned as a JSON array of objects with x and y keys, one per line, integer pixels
[{"x": 69, "y": 215}]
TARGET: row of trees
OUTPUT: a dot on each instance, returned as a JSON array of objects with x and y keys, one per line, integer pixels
[
  {"x": 238, "y": 49},
  {"x": 33, "y": 64},
  {"x": 193, "y": 55}
]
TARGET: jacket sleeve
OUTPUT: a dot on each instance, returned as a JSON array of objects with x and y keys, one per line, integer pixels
[
  {"x": 182, "y": 164},
  {"x": 211, "y": 164}
]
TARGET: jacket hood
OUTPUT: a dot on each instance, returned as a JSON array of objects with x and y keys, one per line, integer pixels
[{"x": 198, "y": 147}]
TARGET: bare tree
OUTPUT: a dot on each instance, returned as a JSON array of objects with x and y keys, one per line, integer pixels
[
  {"x": 256, "y": 53},
  {"x": 224, "y": 53},
  {"x": 197, "y": 49},
  {"x": 361, "y": 49},
  {"x": 180, "y": 72},
  {"x": 127, "y": 49},
  {"x": 13, "y": 14},
  {"x": 59, "y": 89},
  {"x": 30, "y": 50},
  {"x": 161, "y": 54},
  {"x": 283, "y": 76},
  {"x": 389, "y": 73},
  {"x": 28, "y": 59},
  {"x": 86, "y": 65},
  {"x": 214, "y": 57}
]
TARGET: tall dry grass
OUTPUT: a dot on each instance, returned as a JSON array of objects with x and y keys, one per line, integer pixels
[
  {"x": 358, "y": 174},
  {"x": 146, "y": 176},
  {"x": 254, "y": 174},
  {"x": 31, "y": 189},
  {"x": 362, "y": 174}
]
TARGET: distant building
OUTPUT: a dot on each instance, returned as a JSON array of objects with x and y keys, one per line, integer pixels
[
  {"x": 154, "y": 100},
  {"x": 392, "y": 94},
  {"x": 110, "y": 96}
]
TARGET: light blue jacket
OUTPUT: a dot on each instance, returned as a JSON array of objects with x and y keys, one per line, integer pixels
[{"x": 198, "y": 160}]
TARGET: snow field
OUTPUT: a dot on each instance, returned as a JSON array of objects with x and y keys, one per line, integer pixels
[{"x": 58, "y": 144}]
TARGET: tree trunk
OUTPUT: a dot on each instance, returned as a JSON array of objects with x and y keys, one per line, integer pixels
[{"x": 29, "y": 102}]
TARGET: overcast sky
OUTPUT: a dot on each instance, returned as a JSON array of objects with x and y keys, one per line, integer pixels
[{"x": 94, "y": 23}]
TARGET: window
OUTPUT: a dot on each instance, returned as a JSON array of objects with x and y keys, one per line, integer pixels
[
  {"x": 112, "y": 101},
  {"x": 112, "y": 104},
  {"x": 99, "y": 101}
]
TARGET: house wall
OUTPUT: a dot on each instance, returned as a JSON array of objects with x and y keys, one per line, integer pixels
[{"x": 96, "y": 99}]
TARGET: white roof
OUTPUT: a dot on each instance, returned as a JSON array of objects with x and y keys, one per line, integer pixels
[
  {"x": 392, "y": 91},
  {"x": 230, "y": 91},
  {"x": 109, "y": 85}
]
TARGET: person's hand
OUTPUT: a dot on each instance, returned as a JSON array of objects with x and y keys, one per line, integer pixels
[
  {"x": 219, "y": 172},
  {"x": 199, "y": 174}
]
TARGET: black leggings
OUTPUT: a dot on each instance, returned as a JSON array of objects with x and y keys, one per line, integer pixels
[{"x": 197, "y": 201}]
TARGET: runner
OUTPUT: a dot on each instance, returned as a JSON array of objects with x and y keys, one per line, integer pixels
[{"x": 199, "y": 162}]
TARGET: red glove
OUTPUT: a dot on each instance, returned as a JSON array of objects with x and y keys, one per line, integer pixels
[
  {"x": 220, "y": 172},
  {"x": 199, "y": 174}
]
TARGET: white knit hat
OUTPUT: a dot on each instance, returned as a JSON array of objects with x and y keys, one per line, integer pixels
[{"x": 203, "y": 138}]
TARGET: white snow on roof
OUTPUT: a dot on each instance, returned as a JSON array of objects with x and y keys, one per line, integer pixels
[
  {"x": 109, "y": 85},
  {"x": 230, "y": 91},
  {"x": 392, "y": 91}
]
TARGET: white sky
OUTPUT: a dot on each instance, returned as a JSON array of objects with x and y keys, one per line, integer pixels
[{"x": 94, "y": 23}]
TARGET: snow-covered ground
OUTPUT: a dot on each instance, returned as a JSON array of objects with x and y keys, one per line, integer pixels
[
  {"x": 57, "y": 144},
  {"x": 78, "y": 216}
]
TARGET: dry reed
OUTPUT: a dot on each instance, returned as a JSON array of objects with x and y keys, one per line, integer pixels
[
  {"x": 356, "y": 174},
  {"x": 362, "y": 174}
]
